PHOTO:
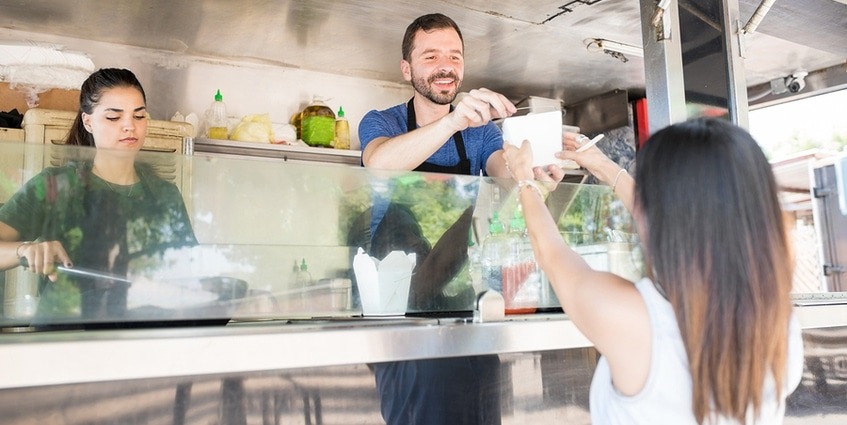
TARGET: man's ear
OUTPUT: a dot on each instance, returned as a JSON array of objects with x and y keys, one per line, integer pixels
[{"x": 406, "y": 69}]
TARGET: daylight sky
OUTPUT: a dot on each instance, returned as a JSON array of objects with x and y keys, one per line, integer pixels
[{"x": 815, "y": 118}]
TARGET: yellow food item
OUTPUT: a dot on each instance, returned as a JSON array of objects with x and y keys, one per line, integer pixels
[{"x": 254, "y": 128}]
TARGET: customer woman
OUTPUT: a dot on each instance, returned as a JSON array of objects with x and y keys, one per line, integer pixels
[
  {"x": 98, "y": 213},
  {"x": 709, "y": 337}
]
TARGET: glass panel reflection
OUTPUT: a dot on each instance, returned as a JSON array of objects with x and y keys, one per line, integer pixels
[
  {"x": 704, "y": 57},
  {"x": 242, "y": 238}
]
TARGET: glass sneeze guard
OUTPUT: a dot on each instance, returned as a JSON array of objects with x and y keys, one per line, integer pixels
[{"x": 208, "y": 239}]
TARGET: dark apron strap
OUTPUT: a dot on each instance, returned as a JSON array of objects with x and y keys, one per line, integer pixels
[{"x": 464, "y": 164}]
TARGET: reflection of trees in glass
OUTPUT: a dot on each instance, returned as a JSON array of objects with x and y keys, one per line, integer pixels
[
  {"x": 437, "y": 204},
  {"x": 62, "y": 300},
  {"x": 351, "y": 205},
  {"x": 91, "y": 222},
  {"x": 7, "y": 187},
  {"x": 594, "y": 216}
]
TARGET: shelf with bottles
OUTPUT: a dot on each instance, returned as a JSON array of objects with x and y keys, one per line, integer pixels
[{"x": 277, "y": 151}]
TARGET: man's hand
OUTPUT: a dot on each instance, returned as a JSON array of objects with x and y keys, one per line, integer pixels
[{"x": 479, "y": 107}]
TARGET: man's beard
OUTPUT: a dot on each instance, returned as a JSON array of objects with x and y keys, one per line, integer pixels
[{"x": 424, "y": 87}]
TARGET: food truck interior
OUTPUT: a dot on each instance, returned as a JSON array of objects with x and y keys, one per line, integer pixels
[{"x": 280, "y": 224}]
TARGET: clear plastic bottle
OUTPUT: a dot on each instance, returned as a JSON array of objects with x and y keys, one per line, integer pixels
[
  {"x": 475, "y": 263},
  {"x": 493, "y": 253},
  {"x": 218, "y": 125},
  {"x": 295, "y": 121},
  {"x": 318, "y": 124},
  {"x": 521, "y": 280},
  {"x": 342, "y": 131},
  {"x": 303, "y": 281}
]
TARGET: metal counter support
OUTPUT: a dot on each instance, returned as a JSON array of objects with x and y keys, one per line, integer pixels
[{"x": 33, "y": 359}]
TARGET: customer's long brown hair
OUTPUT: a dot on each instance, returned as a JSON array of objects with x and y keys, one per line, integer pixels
[{"x": 719, "y": 251}]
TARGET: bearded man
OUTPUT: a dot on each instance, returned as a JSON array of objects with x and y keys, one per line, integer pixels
[{"x": 428, "y": 133}]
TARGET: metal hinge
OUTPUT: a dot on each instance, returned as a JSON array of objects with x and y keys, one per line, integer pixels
[
  {"x": 830, "y": 269},
  {"x": 820, "y": 192}
]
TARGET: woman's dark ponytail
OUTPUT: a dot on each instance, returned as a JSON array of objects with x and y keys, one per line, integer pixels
[{"x": 89, "y": 95}]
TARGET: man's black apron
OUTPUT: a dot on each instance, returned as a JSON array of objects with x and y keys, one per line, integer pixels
[
  {"x": 464, "y": 164},
  {"x": 460, "y": 391}
]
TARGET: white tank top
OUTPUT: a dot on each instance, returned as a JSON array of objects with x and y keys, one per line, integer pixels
[{"x": 666, "y": 396}]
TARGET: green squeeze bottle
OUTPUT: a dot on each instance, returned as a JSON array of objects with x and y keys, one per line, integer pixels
[{"x": 217, "y": 119}]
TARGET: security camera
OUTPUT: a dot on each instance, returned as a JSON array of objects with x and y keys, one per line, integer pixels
[{"x": 796, "y": 81}]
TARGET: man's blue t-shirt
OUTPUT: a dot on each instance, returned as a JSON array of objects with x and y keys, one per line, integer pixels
[
  {"x": 461, "y": 390},
  {"x": 480, "y": 142}
]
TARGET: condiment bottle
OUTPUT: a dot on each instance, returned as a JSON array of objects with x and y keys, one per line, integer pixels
[
  {"x": 303, "y": 280},
  {"x": 295, "y": 121},
  {"x": 521, "y": 279},
  {"x": 318, "y": 124},
  {"x": 342, "y": 131},
  {"x": 493, "y": 253},
  {"x": 218, "y": 128}
]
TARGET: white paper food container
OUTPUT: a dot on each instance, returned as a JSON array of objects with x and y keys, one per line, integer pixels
[
  {"x": 544, "y": 132},
  {"x": 384, "y": 284}
]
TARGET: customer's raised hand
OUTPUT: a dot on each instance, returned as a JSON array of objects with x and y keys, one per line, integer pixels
[{"x": 592, "y": 159}]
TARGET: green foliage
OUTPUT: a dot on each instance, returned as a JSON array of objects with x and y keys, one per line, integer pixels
[
  {"x": 7, "y": 186},
  {"x": 62, "y": 300},
  {"x": 798, "y": 141},
  {"x": 594, "y": 216},
  {"x": 437, "y": 204},
  {"x": 351, "y": 205}
]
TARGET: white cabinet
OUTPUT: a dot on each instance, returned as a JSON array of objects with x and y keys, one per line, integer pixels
[
  {"x": 11, "y": 134},
  {"x": 51, "y": 127}
]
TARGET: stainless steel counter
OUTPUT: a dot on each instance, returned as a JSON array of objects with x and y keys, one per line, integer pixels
[
  {"x": 31, "y": 359},
  {"x": 272, "y": 345}
]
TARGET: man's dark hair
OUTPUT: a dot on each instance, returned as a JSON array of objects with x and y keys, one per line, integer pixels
[{"x": 431, "y": 22}]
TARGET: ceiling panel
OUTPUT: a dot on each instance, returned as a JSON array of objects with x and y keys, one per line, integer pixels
[{"x": 519, "y": 48}]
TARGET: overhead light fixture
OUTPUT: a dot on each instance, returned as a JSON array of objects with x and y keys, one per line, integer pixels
[{"x": 614, "y": 48}]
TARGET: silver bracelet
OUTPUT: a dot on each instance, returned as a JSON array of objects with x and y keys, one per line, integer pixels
[
  {"x": 617, "y": 177},
  {"x": 18, "y": 249},
  {"x": 534, "y": 186}
]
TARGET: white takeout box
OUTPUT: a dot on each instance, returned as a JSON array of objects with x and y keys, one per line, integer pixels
[
  {"x": 544, "y": 132},
  {"x": 384, "y": 284}
]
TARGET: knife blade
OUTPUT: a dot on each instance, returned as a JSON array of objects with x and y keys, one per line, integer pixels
[
  {"x": 527, "y": 108},
  {"x": 84, "y": 272}
]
